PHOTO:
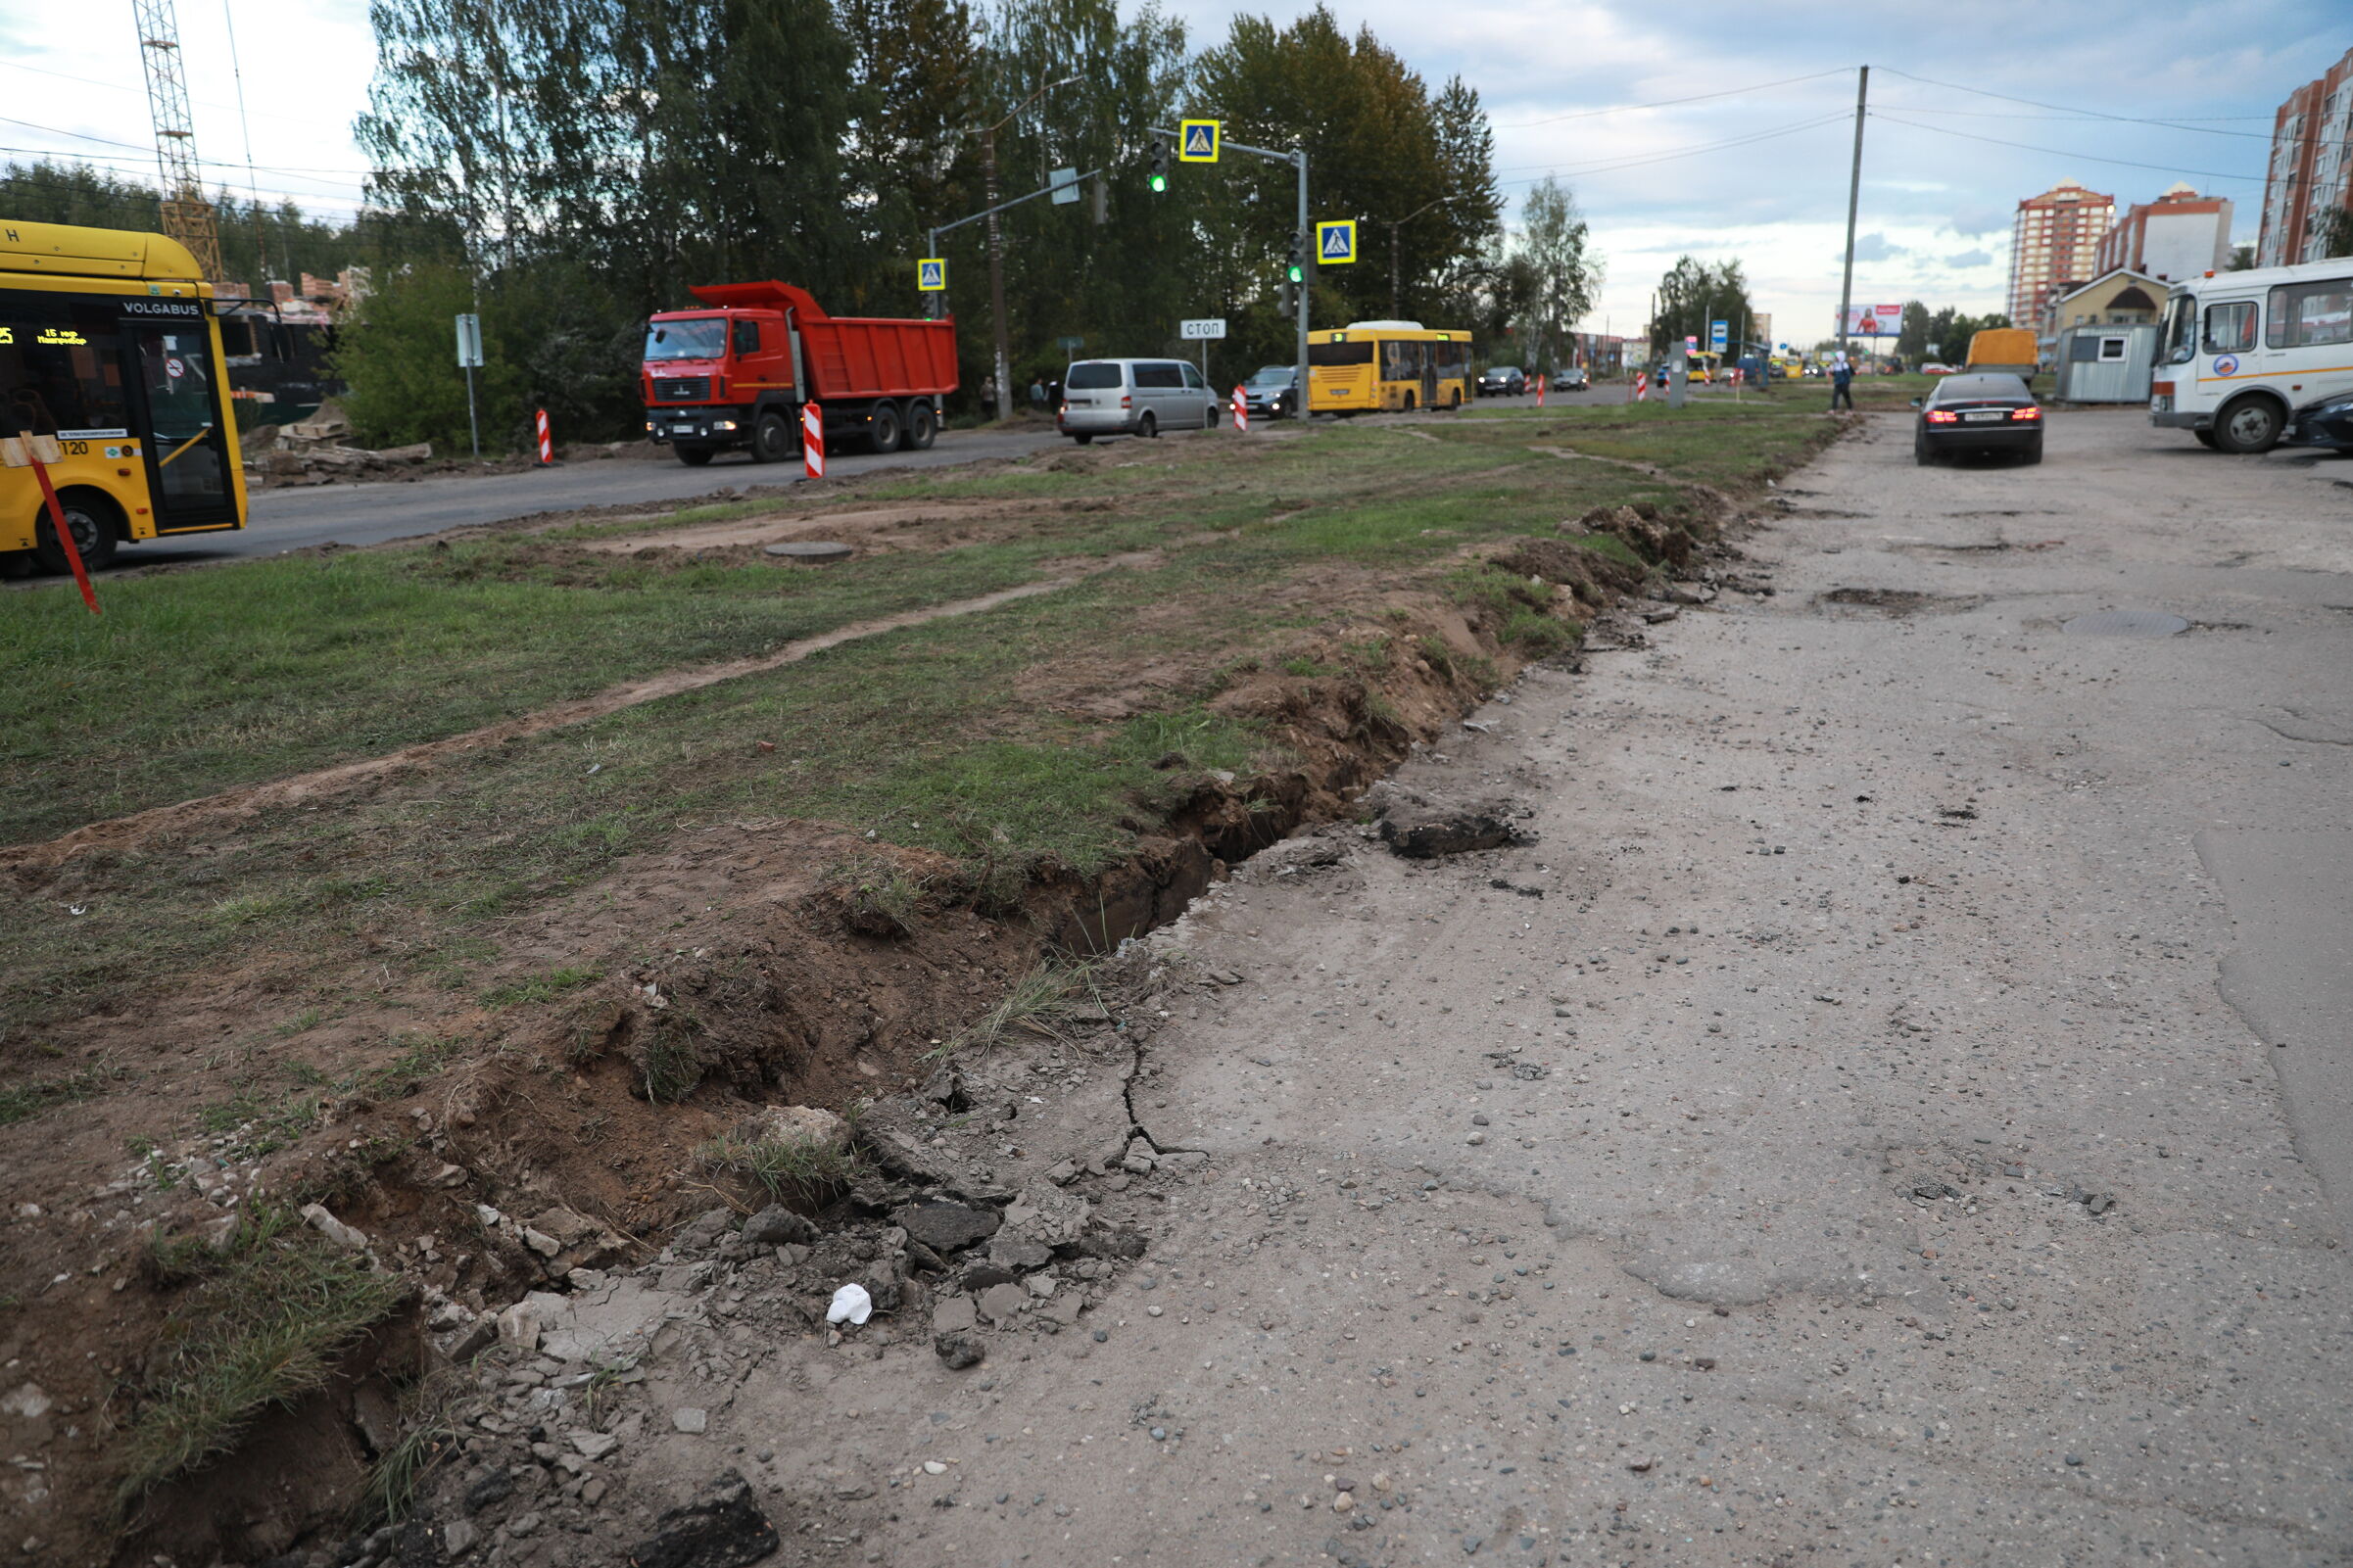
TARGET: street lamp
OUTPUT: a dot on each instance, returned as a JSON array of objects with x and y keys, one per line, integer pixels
[
  {"x": 996, "y": 265},
  {"x": 1396, "y": 295}
]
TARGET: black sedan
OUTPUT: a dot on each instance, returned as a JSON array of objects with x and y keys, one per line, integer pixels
[
  {"x": 1501, "y": 381},
  {"x": 2325, "y": 423},
  {"x": 1572, "y": 379},
  {"x": 1987, "y": 413}
]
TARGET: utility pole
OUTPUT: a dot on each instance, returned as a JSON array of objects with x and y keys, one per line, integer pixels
[
  {"x": 1855, "y": 191},
  {"x": 1308, "y": 258},
  {"x": 996, "y": 255},
  {"x": 996, "y": 271}
]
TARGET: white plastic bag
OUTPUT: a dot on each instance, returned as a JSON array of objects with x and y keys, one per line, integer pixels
[{"x": 852, "y": 1305}]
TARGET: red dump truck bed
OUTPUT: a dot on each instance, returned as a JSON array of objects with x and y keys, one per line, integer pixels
[
  {"x": 739, "y": 370},
  {"x": 852, "y": 356}
]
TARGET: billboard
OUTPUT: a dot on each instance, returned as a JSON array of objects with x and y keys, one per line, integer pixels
[{"x": 1874, "y": 320}]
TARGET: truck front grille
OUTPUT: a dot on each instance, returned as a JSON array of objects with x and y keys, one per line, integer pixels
[{"x": 682, "y": 389}]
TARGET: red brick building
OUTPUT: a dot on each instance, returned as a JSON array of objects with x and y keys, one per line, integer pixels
[
  {"x": 2311, "y": 169},
  {"x": 2055, "y": 240}
]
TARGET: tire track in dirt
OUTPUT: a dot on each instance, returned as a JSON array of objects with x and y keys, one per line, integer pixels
[{"x": 122, "y": 832}]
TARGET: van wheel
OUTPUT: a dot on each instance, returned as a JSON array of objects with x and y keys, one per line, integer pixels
[
  {"x": 922, "y": 428},
  {"x": 882, "y": 427},
  {"x": 93, "y": 535},
  {"x": 2205, "y": 438},
  {"x": 1084, "y": 437},
  {"x": 2249, "y": 425},
  {"x": 1209, "y": 417},
  {"x": 771, "y": 440},
  {"x": 1147, "y": 426},
  {"x": 695, "y": 457}
]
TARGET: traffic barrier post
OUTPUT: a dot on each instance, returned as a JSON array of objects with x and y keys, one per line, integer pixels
[
  {"x": 1241, "y": 411},
  {"x": 546, "y": 443},
  {"x": 812, "y": 440}
]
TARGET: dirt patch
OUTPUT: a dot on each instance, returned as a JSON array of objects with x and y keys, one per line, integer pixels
[
  {"x": 875, "y": 527},
  {"x": 1898, "y": 601}
]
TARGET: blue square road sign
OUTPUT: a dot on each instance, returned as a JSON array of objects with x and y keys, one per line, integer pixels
[
  {"x": 1197, "y": 142},
  {"x": 1335, "y": 243}
]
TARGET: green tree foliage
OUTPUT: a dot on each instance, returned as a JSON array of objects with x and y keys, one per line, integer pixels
[
  {"x": 1563, "y": 272},
  {"x": 1415, "y": 170},
  {"x": 566, "y": 166},
  {"x": 2332, "y": 233},
  {"x": 1693, "y": 294}
]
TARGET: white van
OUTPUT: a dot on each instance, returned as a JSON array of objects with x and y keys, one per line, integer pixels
[
  {"x": 1134, "y": 397},
  {"x": 2239, "y": 352}
]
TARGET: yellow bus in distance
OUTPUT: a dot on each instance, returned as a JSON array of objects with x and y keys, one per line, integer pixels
[
  {"x": 1370, "y": 365},
  {"x": 111, "y": 372}
]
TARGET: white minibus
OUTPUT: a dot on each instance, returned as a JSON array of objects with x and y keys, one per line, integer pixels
[{"x": 2240, "y": 353}]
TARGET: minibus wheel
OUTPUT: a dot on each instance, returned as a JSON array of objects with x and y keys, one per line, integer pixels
[{"x": 2249, "y": 425}]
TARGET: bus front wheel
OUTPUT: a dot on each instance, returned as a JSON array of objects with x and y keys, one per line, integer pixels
[
  {"x": 93, "y": 535},
  {"x": 2249, "y": 425},
  {"x": 2205, "y": 438}
]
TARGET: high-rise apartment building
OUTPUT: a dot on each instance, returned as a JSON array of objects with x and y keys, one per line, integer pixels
[
  {"x": 2310, "y": 170},
  {"x": 2179, "y": 235},
  {"x": 2056, "y": 241}
]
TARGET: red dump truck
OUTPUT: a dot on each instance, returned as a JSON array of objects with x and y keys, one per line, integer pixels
[{"x": 737, "y": 373}]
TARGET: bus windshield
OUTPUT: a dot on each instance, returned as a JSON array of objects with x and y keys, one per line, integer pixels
[
  {"x": 702, "y": 337},
  {"x": 2174, "y": 340}
]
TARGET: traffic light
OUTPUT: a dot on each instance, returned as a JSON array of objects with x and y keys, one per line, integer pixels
[
  {"x": 1282, "y": 298},
  {"x": 1160, "y": 164},
  {"x": 1298, "y": 271}
]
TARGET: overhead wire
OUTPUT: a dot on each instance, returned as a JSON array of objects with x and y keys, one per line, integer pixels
[
  {"x": 1669, "y": 103},
  {"x": 2062, "y": 152}
]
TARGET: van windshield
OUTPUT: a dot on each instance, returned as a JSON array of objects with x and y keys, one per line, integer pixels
[
  {"x": 702, "y": 337},
  {"x": 1094, "y": 376}
]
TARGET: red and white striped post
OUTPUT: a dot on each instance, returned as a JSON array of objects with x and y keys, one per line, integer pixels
[
  {"x": 1641, "y": 386},
  {"x": 812, "y": 440},
  {"x": 1542, "y": 381},
  {"x": 546, "y": 443},
  {"x": 1241, "y": 411}
]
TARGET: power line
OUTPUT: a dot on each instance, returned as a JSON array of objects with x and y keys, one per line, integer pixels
[
  {"x": 1611, "y": 166},
  {"x": 1669, "y": 103},
  {"x": 2062, "y": 152}
]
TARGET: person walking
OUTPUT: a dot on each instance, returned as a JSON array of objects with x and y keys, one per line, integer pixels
[
  {"x": 1842, "y": 385},
  {"x": 1037, "y": 396}
]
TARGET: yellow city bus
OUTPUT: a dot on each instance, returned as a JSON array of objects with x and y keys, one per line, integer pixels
[
  {"x": 1370, "y": 365},
  {"x": 111, "y": 370}
]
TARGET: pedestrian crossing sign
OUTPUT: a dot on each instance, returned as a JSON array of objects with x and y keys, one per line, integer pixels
[
  {"x": 1335, "y": 241},
  {"x": 931, "y": 274},
  {"x": 1198, "y": 143}
]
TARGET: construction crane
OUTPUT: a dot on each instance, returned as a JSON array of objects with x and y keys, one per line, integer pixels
[{"x": 187, "y": 217}]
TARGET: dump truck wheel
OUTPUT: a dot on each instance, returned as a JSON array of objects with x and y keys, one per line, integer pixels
[
  {"x": 771, "y": 439},
  {"x": 922, "y": 428},
  {"x": 882, "y": 427},
  {"x": 693, "y": 456}
]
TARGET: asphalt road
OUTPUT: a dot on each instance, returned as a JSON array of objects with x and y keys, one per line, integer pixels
[
  {"x": 298, "y": 518},
  {"x": 1897, "y": 1114}
]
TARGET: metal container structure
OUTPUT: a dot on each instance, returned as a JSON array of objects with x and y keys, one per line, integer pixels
[{"x": 2105, "y": 364}]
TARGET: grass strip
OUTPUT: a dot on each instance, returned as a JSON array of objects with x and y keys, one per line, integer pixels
[{"x": 262, "y": 1321}]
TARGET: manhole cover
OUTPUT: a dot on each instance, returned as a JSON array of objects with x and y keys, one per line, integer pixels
[
  {"x": 2126, "y": 623},
  {"x": 810, "y": 552}
]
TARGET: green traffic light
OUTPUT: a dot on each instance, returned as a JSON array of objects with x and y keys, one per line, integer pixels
[
  {"x": 1298, "y": 273},
  {"x": 1160, "y": 182}
]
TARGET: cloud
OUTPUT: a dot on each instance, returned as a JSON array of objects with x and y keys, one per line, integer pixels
[
  {"x": 1875, "y": 248},
  {"x": 1971, "y": 222},
  {"x": 1969, "y": 259}
]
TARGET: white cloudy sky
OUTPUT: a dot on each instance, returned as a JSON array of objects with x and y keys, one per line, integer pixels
[{"x": 1562, "y": 79}]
